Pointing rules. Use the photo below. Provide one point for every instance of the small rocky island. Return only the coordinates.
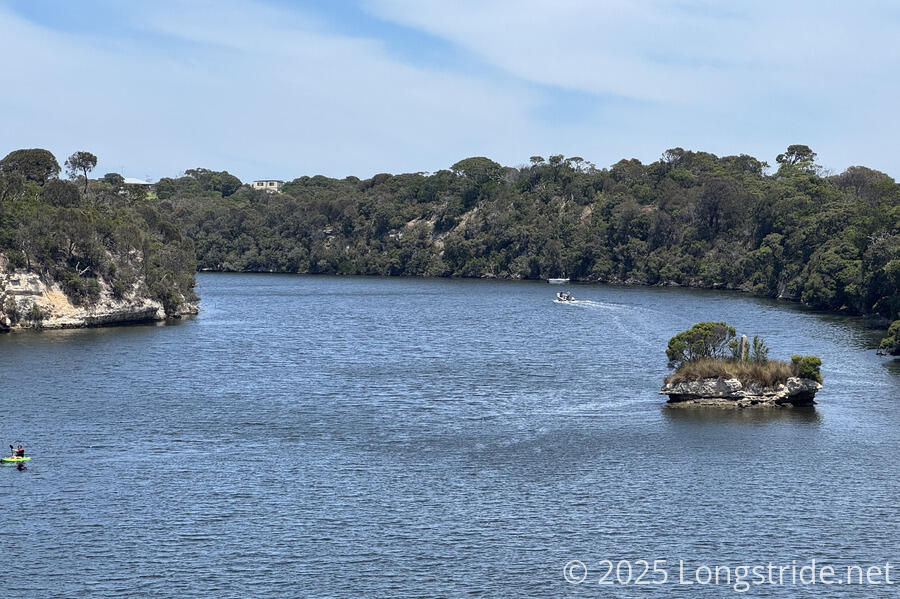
(715, 369)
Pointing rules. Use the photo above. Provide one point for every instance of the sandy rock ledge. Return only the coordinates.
(29, 291)
(731, 393)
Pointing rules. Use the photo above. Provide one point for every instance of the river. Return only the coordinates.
(367, 437)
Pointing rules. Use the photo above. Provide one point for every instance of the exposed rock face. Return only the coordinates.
(37, 303)
(731, 393)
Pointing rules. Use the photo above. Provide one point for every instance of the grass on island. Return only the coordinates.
(769, 373)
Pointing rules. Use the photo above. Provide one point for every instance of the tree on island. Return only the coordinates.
(703, 340)
(807, 367)
(80, 162)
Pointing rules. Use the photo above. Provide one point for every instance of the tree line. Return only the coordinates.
(690, 218)
(831, 241)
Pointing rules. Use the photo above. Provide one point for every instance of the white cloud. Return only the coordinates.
(250, 89)
(661, 50)
(272, 92)
(739, 76)
(602, 48)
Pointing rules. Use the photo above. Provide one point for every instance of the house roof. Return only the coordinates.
(133, 181)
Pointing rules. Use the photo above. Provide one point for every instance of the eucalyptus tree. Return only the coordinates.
(80, 162)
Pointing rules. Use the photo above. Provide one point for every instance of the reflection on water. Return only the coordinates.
(697, 414)
(892, 366)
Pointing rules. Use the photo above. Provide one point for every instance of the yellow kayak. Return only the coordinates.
(12, 460)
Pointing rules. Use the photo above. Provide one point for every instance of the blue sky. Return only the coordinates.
(282, 88)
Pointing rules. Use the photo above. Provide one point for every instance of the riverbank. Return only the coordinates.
(32, 302)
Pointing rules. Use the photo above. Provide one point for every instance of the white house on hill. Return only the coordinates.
(133, 181)
(269, 185)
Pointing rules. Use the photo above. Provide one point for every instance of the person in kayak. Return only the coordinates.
(19, 452)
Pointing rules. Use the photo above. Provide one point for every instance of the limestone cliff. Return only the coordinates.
(731, 393)
(28, 300)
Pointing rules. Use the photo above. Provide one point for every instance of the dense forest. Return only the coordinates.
(831, 241)
(690, 218)
(88, 235)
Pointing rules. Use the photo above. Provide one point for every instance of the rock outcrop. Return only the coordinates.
(731, 393)
(28, 301)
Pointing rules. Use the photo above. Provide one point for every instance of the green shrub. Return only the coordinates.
(167, 296)
(891, 343)
(11, 308)
(16, 260)
(80, 290)
(35, 314)
(61, 193)
(92, 287)
(119, 288)
(807, 367)
(703, 340)
(759, 351)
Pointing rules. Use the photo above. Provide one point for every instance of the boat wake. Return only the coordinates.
(622, 316)
(582, 303)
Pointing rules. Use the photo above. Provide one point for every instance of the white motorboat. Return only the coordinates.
(557, 281)
(565, 296)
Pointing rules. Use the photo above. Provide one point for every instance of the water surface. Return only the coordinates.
(356, 437)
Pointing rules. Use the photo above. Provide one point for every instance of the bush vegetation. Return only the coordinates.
(86, 240)
(759, 351)
(690, 219)
(807, 367)
(699, 353)
(891, 343)
(35, 315)
(770, 373)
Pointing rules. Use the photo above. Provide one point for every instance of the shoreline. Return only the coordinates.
(40, 303)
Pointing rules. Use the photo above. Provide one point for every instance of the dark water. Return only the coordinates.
(337, 437)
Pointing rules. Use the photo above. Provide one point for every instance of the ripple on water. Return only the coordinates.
(309, 436)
